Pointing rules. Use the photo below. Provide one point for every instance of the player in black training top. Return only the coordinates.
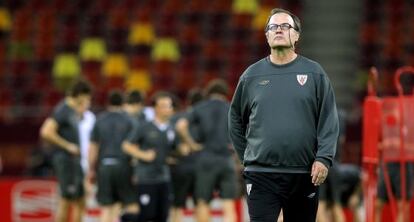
(157, 138)
(215, 167)
(61, 129)
(112, 166)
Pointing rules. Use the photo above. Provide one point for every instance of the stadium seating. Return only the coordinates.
(139, 80)
(115, 64)
(5, 20)
(141, 34)
(147, 45)
(92, 49)
(66, 67)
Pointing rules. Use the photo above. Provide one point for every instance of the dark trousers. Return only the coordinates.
(268, 193)
(154, 201)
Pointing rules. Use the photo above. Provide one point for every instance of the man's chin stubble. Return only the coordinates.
(280, 47)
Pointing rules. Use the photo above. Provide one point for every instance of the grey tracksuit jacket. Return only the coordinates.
(283, 117)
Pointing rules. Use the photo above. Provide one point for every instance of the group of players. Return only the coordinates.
(148, 163)
(143, 163)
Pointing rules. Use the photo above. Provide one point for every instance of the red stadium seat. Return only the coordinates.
(213, 48)
(32, 98)
(369, 32)
(140, 62)
(44, 50)
(60, 5)
(197, 5)
(91, 70)
(219, 6)
(235, 70)
(243, 20)
(46, 21)
(163, 73)
(186, 75)
(209, 39)
(142, 14)
(19, 67)
(117, 41)
(114, 82)
(167, 25)
(52, 97)
(118, 18)
(100, 96)
(36, 5)
(21, 29)
(189, 38)
(70, 37)
(102, 6)
(128, 4)
(172, 6)
(271, 3)
(41, 80)
(208, 75)
(2, 54)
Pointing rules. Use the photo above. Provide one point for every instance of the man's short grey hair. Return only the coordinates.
(296, 21)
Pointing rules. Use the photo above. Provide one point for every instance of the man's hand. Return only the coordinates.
(195, 147)
(184, 149)
(319, 173)
(73, 149)
(148, 155)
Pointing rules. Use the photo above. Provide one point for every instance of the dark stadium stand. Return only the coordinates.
(215, 39)
(158, 44)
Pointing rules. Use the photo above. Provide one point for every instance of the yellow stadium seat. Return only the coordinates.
(140, 80)
(141, 34)
(260, 19)
(66, 68)
(245, 6)
(66, 65)
(165, 49)
(92, 49)
(115, 65)
(5, 20)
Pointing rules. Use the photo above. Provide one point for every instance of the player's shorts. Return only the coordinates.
(183, 181)
(343, 180)
(69, 173)
(268, 193)
(395, 181)
(329, 190)
(350, 177)
(154, 201)
(115, 184)
(215, 172)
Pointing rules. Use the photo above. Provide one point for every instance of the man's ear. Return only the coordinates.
(298, 37)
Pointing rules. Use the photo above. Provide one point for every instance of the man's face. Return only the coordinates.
(164, 107)
(83, 103)
(279, 37)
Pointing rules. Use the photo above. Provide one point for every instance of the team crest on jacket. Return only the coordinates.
(302, 79)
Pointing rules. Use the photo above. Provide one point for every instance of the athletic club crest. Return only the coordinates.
(248, 188)
(302, 79)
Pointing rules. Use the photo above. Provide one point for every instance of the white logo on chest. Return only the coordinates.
(248, 188)
(302, 79)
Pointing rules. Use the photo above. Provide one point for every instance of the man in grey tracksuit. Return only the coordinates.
(283, 124)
